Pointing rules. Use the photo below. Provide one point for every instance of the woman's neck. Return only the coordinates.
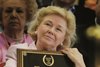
(43, 46)
(17, 36)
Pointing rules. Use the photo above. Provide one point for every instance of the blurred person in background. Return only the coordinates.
(14, 16)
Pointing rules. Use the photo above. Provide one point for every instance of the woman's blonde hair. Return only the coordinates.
(67, 15)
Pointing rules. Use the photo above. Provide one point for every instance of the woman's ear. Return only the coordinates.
(35, 32)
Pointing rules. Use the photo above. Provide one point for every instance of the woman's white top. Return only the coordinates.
(12, 53)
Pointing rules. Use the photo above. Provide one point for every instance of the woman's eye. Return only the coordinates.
(59, 29)
(48, 24)
(19, 10)
(9, 10)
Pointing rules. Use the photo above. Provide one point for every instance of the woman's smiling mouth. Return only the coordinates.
(50, 37)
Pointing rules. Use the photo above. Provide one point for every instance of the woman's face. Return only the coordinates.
(14, 15)
(51, 32)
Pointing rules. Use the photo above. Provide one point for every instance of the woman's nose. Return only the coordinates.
(14, 13)
(51, 31)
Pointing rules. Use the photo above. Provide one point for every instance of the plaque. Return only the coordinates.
(35, 58)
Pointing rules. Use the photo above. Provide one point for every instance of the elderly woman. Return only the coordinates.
(14, 16)
(53, 29)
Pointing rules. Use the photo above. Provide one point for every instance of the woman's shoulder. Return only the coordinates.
(22, 46)
(28, 39)
(12, 51)
(19, 46)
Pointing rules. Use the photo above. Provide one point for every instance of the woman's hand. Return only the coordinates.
(75, 56)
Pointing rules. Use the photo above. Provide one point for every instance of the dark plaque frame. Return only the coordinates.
(35, 58)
